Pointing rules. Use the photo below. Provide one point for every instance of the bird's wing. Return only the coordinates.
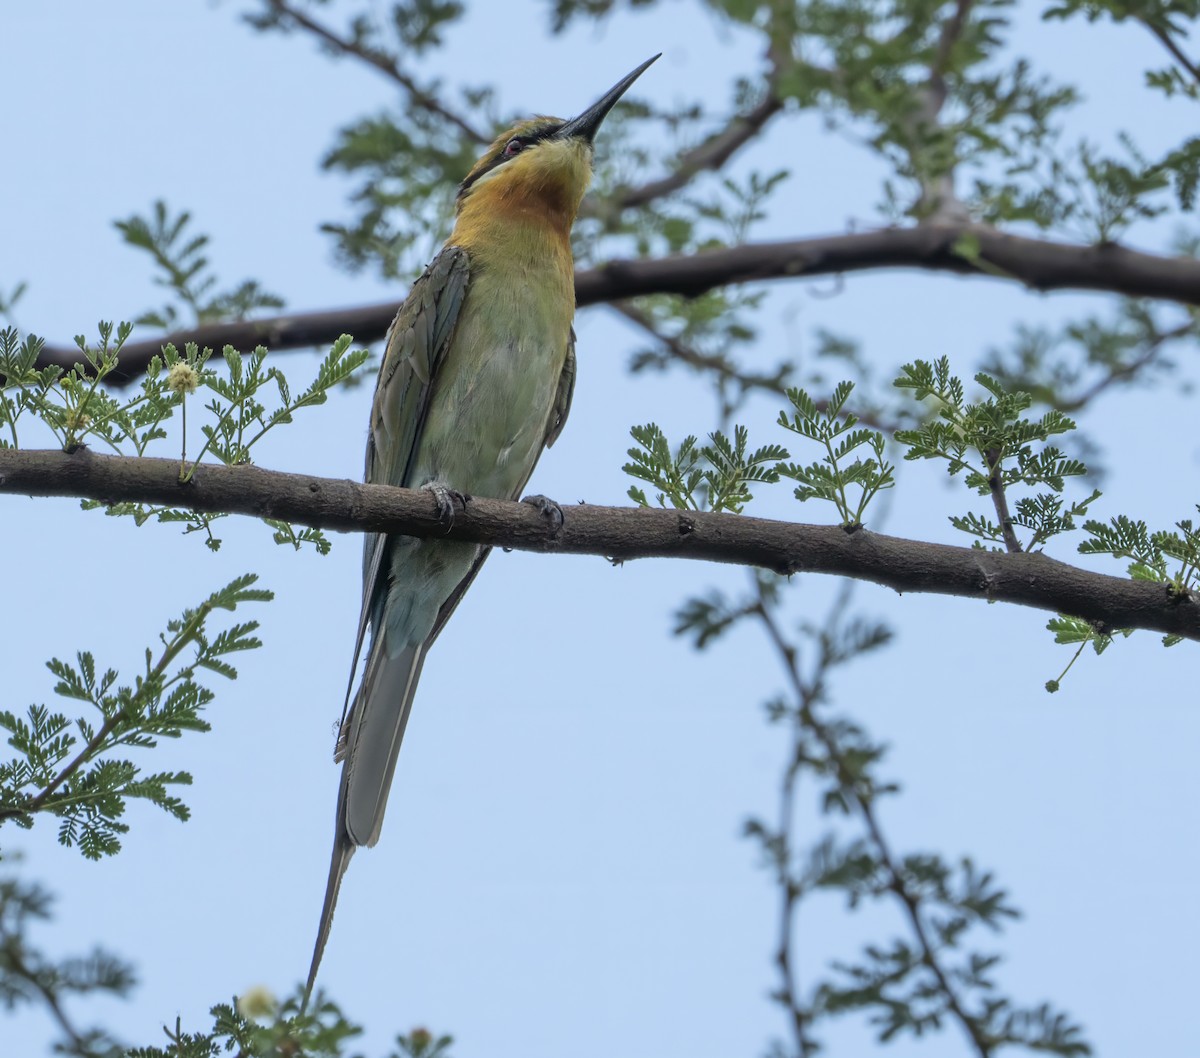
(562, 397)
(416, 343)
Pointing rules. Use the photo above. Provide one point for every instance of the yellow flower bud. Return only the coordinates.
(258, 1002)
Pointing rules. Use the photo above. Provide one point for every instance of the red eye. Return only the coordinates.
(513, 146)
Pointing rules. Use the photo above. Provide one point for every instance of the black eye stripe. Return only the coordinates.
(542, 134)
(526, 139)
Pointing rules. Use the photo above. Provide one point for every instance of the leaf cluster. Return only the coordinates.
(240, 415)
(718, 476)
(321, 1030)
(184, 269)
(28, 977)
(1068, 367)
(73, 770)
(995, 447)
(713, 477)
(245, 402)
(1161, 556)
(932, 971)
(834, 478)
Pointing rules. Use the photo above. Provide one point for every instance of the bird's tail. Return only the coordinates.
(370, 746)
(377, 724)
(342, 851)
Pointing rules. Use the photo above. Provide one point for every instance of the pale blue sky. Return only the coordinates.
(561, 870)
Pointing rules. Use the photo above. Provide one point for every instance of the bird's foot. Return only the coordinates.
(446, 497)
(549, 510)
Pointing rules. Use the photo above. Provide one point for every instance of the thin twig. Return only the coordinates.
(850, 784)
(381, 61)
(1177, 53)
(789, 892)
(691, 356)
(709, 156)
(993, 457)
(18, 966)
(1126, 372)
(84, 755)
(951, 34)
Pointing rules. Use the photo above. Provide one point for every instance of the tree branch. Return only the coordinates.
(850, 780)
(381, 61)
(710, 155)
(616, 533)
(37, 981)
(1128, 372)
(686, 354)
(993, 458)
(1039, 264)
(1177, 53)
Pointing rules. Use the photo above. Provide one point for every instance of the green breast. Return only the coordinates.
(495, 391)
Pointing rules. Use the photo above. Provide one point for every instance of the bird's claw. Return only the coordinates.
(549, 510)
(446, 497)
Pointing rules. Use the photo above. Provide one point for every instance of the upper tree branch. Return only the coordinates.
(940, 200)
(686, 354)
(1039, 264)
(1177, 53)
(380, 60)
(616, 533)
(710, 155)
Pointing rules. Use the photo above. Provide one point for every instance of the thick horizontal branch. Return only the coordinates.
(617, 533)
(1037, 263)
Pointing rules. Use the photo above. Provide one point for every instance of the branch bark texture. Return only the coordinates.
(962, 249)
(617, 533)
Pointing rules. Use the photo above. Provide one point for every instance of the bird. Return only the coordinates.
(476, 380)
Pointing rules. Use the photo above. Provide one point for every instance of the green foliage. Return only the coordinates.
(184, 270)
(71, 403)
(1070, 366)
(405, 192)
(706, 334)
(1074, 631)
(248, 400)
(421, 1043)
(241, 418)
(564, 12)
(256, 1026)
(932, 970)
(28, 977)
(1164, 557)
(715, 477)
(832, 478)
(408, 161)
(287, 1031)
(68, 769)
(8, 301)
(992, 445)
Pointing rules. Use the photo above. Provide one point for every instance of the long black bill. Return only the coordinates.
(589, 121)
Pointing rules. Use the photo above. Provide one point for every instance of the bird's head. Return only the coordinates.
(543, 162)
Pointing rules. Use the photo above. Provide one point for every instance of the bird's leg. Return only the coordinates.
(446, 497)
(549, 510)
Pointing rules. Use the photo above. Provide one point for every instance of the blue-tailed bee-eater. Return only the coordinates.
(476, 380)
